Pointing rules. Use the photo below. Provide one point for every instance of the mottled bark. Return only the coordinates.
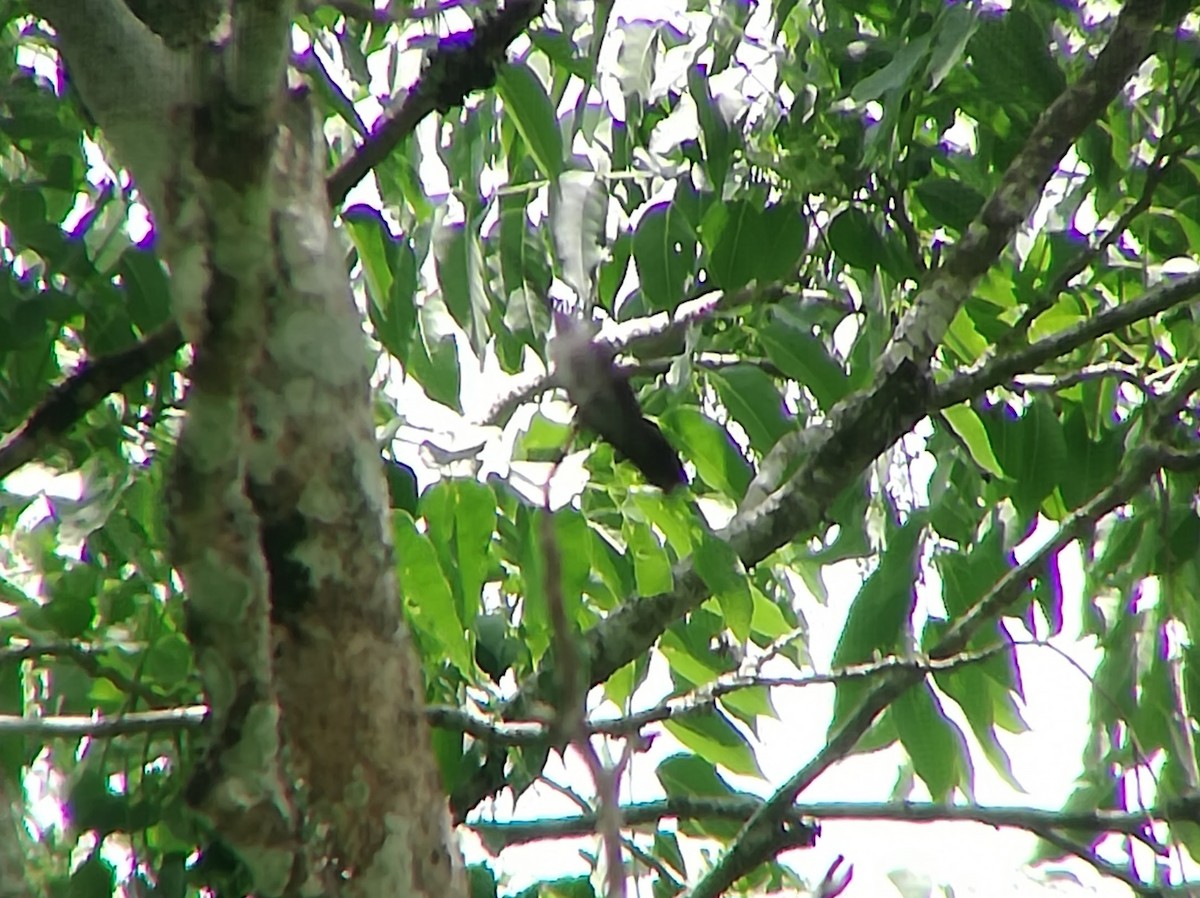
(318, 769)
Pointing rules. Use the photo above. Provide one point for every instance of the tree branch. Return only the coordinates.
(500, 835)
(108, 49)
(167, 720)
(1086, 854)
(462, 63)
(82, 391)
(1000, 370)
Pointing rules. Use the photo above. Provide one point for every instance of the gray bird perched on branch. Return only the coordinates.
(605, 403)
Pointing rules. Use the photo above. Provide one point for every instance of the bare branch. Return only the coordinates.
(1104, 867)
(167, 720)
(705, 698)
(500, 835)
(999, 371)
(461, 64)
(82, 391)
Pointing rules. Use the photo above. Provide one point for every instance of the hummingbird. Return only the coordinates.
(605, 403)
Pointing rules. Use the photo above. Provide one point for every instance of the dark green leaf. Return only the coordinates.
(745, 242)
(146, 287)
(529, 107)
(718, 137)
(722, 571)
(460, 269)
(878, 615)
(433, 361)
(402, 486)
(854, 238)
(802, 356)
(754, 402)
(934, 743)
(390, 271)
(94, 878)
(426, 595)
(664, 249)
(949, 202)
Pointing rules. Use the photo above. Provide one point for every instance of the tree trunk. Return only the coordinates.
(318, 769)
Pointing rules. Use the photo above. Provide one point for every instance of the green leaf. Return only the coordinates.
(722, 572)
(802, 356)
(14, 750)
(745, 242)
(664, 250)
(544, 439)
(665, 513)
(964, 340)
(934, 743)
(668, 850)
(690, 663)
(754, 402)
(687, 776)
(93, 806)
(950, 202)
(72, 605)
(146, 288)
(896, 75)
(426, 595)
(612, 270)
(717, 741)
(1030, 449)
(460, 270)
(1015, 42)
(718, 136)
(169, 662)
(854, 239)
(708, 446)
(461, 514)
(433, 360)
(955, 26)
(968, 425)
(767, 620)
(402, 486)
(651, 566)
(574, 544)
(979, 697)
(94, 878)
(528, 105)
(390, 271)
(878, 615)
(578, 207)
